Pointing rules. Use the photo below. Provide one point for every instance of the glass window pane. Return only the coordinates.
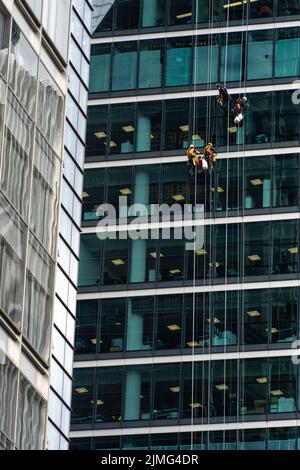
(55, 21)
(122, 129)
(124, 68)
(257, 185)
(176, 124)
(252, 439)
(287, 7)
(153, 13)
(39, 298)
(100, 68)
(135, 442)
(260, 54)
(258, 125)
(282, 398)
(197, 326)
(140, 320)
(93, 193)
(86, 327)
(285, 247)
(169, 322)
(206, 60)
(171, 259)
(83, 396)
(4, 40)
(18, 146)
(223, 322)
(12, 265)
(284, 315)
(23, 70)
(148, 136)
(31, 420)
(254, 386)
(128, 12)
(178, 61)
(222, 440)
(231, 58)
(287, 52)
(44, 209)
(151, 63)
(89, 267)
(50, 110)
(257, 249)
(255, 316)
(180, 12)
(109, 390)
(115, 262)
(97, 131)
(166, 391)
(8, 390)
(286, 118)
(137, 387)
(285, 180)
(282, 439)
(223, 394)
(112, 325)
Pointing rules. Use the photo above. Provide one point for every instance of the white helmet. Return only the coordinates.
(245, 99)
(192, 146)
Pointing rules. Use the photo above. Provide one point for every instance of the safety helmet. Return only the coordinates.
(192, 146)
(210, 144)
(245, 99)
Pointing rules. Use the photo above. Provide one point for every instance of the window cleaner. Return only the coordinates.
(240, 109)
(210, 155)
(195, 159)
(224, 96)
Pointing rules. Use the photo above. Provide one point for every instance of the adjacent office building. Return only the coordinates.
(182, 348)
(39, 188)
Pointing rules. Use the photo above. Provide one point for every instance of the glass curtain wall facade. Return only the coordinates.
(33, 87)
(37, 330)
(59, 410)
(175, 343)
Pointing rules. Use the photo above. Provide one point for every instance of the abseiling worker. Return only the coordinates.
(224, 96)
(240, 109)
(210, 154)
(195, 159)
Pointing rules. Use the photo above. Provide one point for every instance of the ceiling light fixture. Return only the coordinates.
(221, 387)
(175, 271)
(125, 192)
(128, 128)
(184, 15)
(173, 327)
(253, 313)
(256, 182)
(201, 252)
(178, 197)
(254, 258)
(262, 380)
(81, 390)
(100, 135)
(118, 262)
(192, 344)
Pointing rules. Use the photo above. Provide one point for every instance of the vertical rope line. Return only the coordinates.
(226, 228)
(242, 257)
(195, 74)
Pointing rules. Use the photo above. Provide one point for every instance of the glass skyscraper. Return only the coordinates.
(36, 320)
(181, 348)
